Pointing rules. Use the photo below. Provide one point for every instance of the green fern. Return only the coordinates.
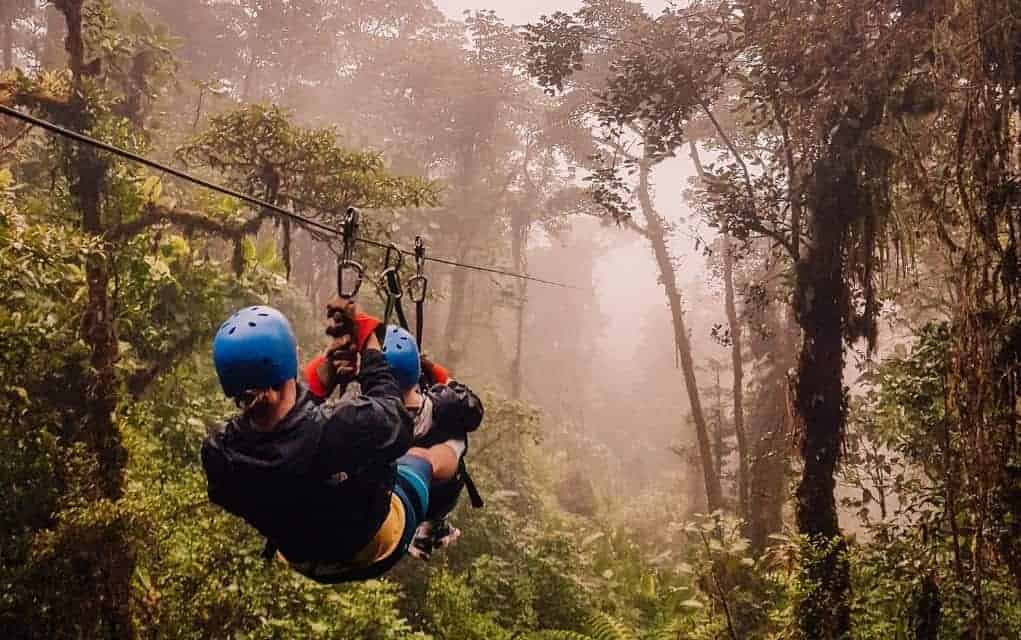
(558, 635)
(601, 627)
(605, 627)
(665, 631)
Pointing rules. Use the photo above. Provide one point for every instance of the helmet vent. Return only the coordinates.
(232, 330)
(264, 315)
(251, 324)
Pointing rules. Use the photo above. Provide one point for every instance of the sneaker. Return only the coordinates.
(445, 535)
(432, 535)
(422, 544)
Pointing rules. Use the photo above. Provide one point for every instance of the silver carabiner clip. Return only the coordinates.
(418, 286)
(350, 272)
(390, 277)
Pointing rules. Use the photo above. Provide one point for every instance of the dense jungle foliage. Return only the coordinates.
(840, 382)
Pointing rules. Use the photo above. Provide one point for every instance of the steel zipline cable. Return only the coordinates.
(259, 202)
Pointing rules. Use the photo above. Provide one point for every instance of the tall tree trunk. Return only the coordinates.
(719, 438)
(520, 221)
(927, 610)
(53, 50)
(113, 562)
(249, 77)
(8, 42)
(467, 214)
(454, 331)
(768, 467)
(656, 233)
(736, 338)
(519, 340)
(821, 304)
(771, 452)
(286, 247)
(737, 365)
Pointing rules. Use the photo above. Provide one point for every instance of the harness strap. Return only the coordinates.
(388, 310)
(419, 317)
(418, 287)
(403, 319)
(469, 485)
(394, 293)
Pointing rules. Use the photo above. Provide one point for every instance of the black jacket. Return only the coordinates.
(318, 486)
(457, 411)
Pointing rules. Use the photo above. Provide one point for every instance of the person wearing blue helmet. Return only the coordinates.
(445, 411)
(338, 490)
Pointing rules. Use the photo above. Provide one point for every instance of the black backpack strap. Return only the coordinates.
(469, 484)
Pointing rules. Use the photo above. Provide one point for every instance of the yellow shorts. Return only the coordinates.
(385, 542)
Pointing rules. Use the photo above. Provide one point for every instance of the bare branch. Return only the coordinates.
(156, 214)
(734, 152)
(17, 138)
(696, 158)
(754, 223)
(922, 178)
(793, 188)
(629, 223)
(618, 147)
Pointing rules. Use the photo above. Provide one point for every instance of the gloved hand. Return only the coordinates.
(337, 366)
(347, 319)
(434, 373)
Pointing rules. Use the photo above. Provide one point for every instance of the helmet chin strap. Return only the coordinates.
(248, 399)
(264, 410)
(257, 407)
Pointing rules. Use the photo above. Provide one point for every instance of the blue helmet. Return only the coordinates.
(401, 352)
(255, 349)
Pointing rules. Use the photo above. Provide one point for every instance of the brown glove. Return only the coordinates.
(338, 366)
(347, 319)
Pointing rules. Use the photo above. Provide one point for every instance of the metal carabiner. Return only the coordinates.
(356, 274)
(345, 262)
(390, 277)
(352, 218)
(418, 285)
(392, 250)
(391, 283)
(419, 255)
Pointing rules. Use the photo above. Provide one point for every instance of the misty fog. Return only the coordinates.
(718, 335)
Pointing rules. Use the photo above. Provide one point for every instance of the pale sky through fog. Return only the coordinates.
(627, 277)
(522, 11)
